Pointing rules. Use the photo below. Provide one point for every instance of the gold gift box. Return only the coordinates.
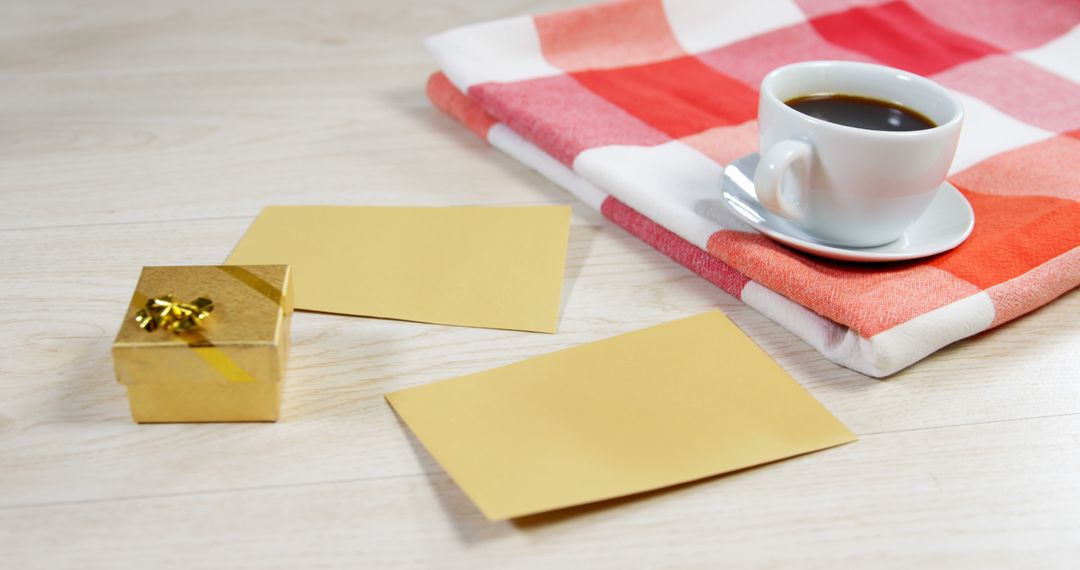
(229, 368)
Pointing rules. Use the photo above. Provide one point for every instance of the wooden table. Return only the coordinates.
(141, 133)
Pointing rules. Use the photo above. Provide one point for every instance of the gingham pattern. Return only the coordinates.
(636, 106)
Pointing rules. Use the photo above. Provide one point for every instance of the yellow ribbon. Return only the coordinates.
(164, 312)
(184, 319)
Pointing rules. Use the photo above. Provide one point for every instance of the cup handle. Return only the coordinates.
(769, 176)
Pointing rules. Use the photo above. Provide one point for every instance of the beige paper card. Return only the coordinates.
(496, 267)
(640, 411)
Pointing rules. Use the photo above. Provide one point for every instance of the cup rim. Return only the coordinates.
(771, 77)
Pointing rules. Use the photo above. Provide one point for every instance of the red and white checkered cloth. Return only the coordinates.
(636, 106)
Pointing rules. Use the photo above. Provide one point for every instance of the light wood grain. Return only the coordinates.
(137, 133)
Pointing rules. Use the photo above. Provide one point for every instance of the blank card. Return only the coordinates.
(497, 267)
(660, 406)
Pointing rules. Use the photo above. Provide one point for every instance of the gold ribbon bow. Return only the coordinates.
(172, 316)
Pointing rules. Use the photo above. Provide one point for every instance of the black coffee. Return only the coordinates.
(861, 112)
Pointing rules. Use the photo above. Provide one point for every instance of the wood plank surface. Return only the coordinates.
(141, 133)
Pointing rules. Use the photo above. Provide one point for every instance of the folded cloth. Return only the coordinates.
(636, 106)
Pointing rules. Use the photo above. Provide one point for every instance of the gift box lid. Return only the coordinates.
(249, 303)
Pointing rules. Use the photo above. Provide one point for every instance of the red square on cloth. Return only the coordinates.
(725, 144)
(1013, 235)
(679, 97)
(897, 35)
(606, 35)
(563, 118)
(457, 105)
(1019, 89)
(1009, 24)
(1045, 168)
(815, 8)
(875, 297)
(751, 59)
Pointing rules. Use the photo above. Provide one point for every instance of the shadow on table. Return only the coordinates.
(469, 523)
(473, 527)
(577, 252)
(544, 520)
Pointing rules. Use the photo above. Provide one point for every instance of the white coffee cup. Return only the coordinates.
(844, 185)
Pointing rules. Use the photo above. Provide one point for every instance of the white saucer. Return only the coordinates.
(947, 222)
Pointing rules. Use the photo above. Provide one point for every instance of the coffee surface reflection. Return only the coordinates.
(861, 112)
